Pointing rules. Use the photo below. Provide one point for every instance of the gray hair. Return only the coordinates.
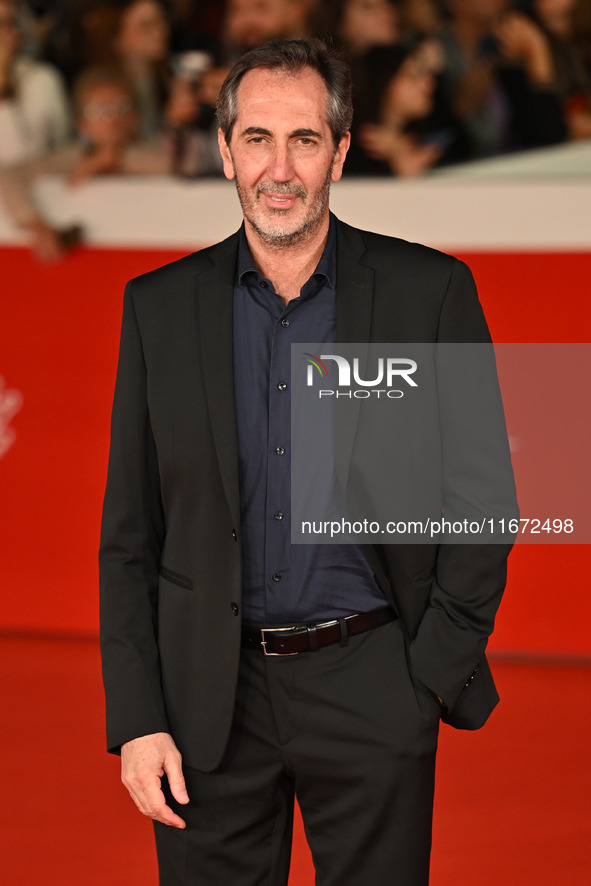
(292, 56)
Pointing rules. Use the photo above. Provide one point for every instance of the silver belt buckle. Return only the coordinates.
(264, 642)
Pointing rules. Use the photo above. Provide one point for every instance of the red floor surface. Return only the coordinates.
(512, 803)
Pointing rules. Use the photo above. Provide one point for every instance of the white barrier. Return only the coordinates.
(449, 213)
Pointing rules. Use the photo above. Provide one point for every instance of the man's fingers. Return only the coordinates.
(165, 815)
(144, 761)
(176, 781)
(150, 800)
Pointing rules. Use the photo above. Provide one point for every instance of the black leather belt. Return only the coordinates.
(292, 639)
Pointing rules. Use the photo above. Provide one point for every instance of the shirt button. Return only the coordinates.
(235, 608)
(278, 515)
(280, 450)
(276, 576)
(263, 284)
(234, 536)
(282, 386)
(285, 322)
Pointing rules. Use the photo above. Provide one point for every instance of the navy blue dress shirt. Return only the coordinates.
(284, 583)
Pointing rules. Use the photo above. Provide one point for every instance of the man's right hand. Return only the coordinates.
(144, 761)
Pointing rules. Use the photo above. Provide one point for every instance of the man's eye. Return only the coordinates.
(256, 140)
(306, 141)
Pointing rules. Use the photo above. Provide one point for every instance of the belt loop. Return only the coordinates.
(313, 637)
(344, 632)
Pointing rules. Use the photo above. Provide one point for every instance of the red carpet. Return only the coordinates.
(512, 803)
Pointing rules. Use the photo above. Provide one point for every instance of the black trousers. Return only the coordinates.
(345, 730)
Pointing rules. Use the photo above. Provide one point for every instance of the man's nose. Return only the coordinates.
(281, 164)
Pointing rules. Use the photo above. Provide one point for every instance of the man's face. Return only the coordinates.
(282, 155)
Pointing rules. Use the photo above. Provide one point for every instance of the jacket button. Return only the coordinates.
(234, 536)
(235, 608)
(471, 677)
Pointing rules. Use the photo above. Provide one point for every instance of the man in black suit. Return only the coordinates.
(241, 669)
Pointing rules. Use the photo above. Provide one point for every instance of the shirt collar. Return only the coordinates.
(326, 267)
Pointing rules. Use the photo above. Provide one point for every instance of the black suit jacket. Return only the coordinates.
(170, 559)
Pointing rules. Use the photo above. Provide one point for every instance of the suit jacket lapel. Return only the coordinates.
(354, 287)
(354, 313)
(215, 299)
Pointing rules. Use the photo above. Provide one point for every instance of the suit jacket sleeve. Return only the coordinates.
(469, 578)
(131, 542)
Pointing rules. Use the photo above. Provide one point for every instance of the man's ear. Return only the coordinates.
(339, 157)
(226, 155)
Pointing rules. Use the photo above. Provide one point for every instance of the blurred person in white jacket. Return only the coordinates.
(34, 108)
(107, 124)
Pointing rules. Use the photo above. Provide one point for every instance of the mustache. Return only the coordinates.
(281, 189)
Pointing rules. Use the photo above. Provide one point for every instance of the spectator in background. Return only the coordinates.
(250, 23)
(395, 127)
(34, 111)
(131, 34)
(194, 24)
(141, 46)
(190, 114)
(421, 16)
(358, 25)
(37, 19)
(567, 24)
(500, 78)
(107, 120)
(80, 34)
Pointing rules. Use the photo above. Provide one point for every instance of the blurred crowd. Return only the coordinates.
(89, 87)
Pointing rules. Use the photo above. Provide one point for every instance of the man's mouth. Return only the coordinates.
(281, 195)
(280, 201)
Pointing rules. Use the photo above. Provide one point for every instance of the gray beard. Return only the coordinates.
(277, 238)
